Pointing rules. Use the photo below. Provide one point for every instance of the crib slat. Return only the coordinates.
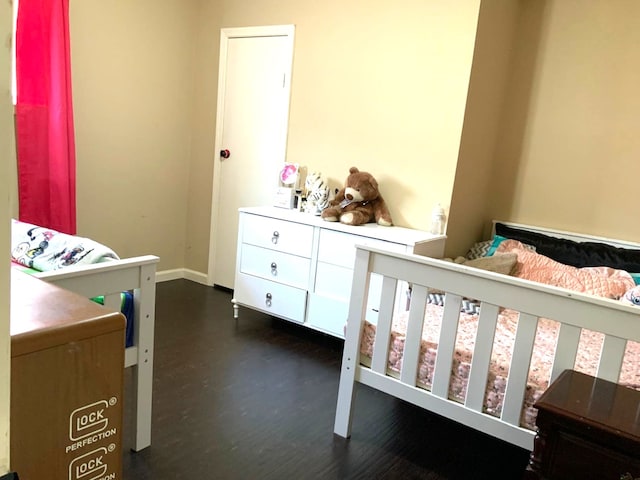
(481, 356)
(409, 370)
(519, 368)
(566, 350)
(446, 345)
(611, 358)
(383, 328)
(350, 354)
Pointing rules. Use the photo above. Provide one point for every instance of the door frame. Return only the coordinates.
(226, 34)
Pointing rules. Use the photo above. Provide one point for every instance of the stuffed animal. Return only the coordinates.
(317, 193)
(359, 202)
(632, 296)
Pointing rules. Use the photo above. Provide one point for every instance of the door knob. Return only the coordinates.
(225, 153)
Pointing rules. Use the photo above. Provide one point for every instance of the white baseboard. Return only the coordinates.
(168, 275)
(179, 273)
(197, 277)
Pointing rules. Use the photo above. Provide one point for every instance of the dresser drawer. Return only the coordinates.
(338, 248)
(280, 235)
(274, 265)
(331, 314)
(328, 314)
(334, 283)
(273, 298)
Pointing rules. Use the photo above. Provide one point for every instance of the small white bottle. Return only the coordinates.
(438, 220)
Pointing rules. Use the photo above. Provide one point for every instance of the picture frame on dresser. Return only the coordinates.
(298, 267)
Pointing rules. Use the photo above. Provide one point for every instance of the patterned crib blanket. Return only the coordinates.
(541, 361)
(44, 249)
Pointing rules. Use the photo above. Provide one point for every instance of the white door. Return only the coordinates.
(252, 122)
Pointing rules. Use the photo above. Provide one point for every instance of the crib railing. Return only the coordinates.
(574, 311)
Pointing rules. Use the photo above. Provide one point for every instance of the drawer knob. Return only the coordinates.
(274, 269)
(275, 237)
(267, 300)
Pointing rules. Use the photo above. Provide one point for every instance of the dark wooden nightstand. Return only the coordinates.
(587, 428)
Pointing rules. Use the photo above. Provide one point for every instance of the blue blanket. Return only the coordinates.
(126, 307)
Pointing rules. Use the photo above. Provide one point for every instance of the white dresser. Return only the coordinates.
(298, 267)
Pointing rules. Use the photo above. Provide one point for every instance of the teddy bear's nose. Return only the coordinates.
(349, 196)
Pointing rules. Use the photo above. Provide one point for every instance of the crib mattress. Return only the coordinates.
(541, 362)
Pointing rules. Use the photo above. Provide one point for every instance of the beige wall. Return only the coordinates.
(382, 86)
(203, 100)
(571, 124)
(6, 159)
(133, 70)
(498, 26)
(376, 85)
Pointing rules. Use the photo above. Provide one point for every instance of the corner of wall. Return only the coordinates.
(473, 184)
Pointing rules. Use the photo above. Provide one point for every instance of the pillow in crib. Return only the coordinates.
(503, 263)
(479, 249)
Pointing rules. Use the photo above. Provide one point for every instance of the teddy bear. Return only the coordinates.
(358, 202)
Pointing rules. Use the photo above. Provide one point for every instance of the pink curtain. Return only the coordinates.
(44, 116)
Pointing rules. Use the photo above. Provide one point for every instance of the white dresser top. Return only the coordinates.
(402, 235)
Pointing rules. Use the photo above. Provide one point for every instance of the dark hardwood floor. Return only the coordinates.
(256, 400)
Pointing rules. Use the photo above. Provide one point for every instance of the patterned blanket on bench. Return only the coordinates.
(44, 249)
